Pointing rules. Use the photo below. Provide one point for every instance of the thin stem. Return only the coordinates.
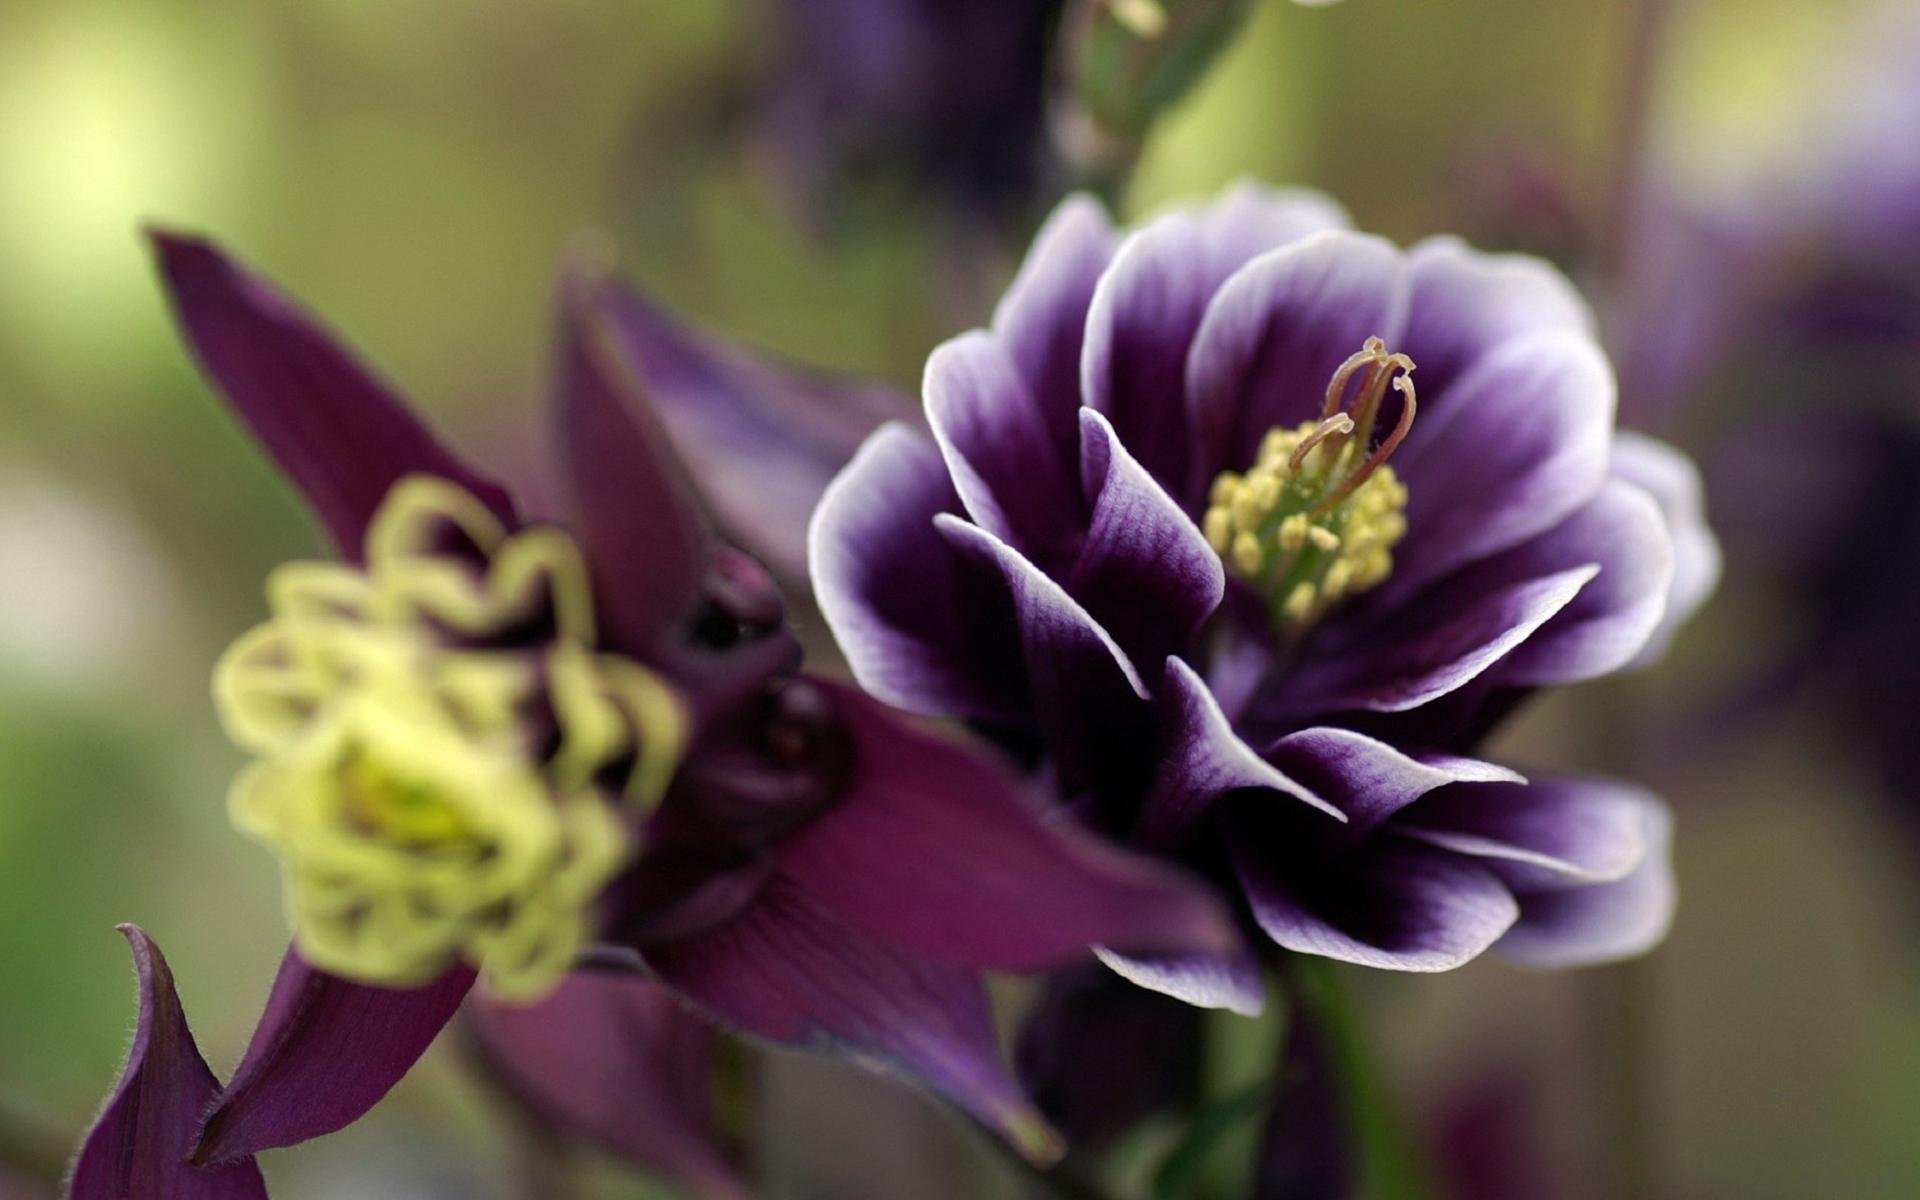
(1627, 186)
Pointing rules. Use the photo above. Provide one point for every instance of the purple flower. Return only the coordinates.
(487, 744)
(1184, 533)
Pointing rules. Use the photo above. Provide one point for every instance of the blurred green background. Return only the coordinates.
(416, 170)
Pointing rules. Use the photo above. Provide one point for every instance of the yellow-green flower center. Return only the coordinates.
(445, 767)
(1316, 517)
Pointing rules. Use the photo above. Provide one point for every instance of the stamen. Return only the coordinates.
(1404, 385)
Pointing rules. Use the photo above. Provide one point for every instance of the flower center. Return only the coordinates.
(1316, 517)
(444, 766)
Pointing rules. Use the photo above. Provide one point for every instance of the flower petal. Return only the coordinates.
(1042, 318)
(615, 1059)
(634, 510)
(1674, 483)
(1544, 836)
(1145, 570)
(1392, 904)
(933, 850)
(1012, 478)
(138, 1146)
(922, 627)
(1608, 921)
(763, 436)
(1467, 303)
(326, 1050)
(1365, 779)
(788, 971)
(339, 434)
(1274, 334)
(1230, 981)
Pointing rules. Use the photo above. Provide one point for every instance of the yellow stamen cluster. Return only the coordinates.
(1316, 517)
(433, 796)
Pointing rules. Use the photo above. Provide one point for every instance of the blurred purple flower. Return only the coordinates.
(1293, 719)
(820, 872)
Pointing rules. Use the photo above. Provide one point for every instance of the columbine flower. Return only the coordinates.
(1254, 526)
(483, 743)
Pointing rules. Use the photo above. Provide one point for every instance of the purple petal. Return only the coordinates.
(1508, 451)
(1439, 643)
(1203, 760)
(138, 1146)
(634, 510)
(1466, 303)
(998, 449)
(1608, 921)
(788, 971)
(1609, 622)
(933, 850)
(1674, 483)
(922, 627)
(1042, 318)
(615, 1059)
(1149, 303)
(1230, 981)
(1367, 780)
(1274, 334)
(325, 1051)
(1145, 570)
(1544, 836)
(339, 434)
(763, 436)
(1394, 904)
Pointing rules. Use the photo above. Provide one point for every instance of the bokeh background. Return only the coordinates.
(416, 171)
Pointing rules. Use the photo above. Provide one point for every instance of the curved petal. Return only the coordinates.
(1366, 780)
(1204, 759)
(325, 1051)
(921, 626)
(1511, 449)
(1010, 475)
(138, 1145)
(634, 510)
(1274, 334)
(1674, 483)
(1393, 904)
(339, 434)
(1145, 570)
(1149, 302)
(763, 436)
(788, 971)
(933, 850)
(1042, 318)
(1230, 981)
(1608, 921)
(1467, 303)
(1607, 625)
(617, 1060)
(1545, 836)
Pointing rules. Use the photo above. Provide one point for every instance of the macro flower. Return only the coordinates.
(1248, 528)
(490, 747)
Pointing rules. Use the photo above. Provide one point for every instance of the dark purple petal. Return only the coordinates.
(763, 436)
(1673, 481)
(998, 449)
(1607, 921)
(616, 1060)
(1203, 760)
(1274, 334)
(1042, 318)
(1149, 304)
(1365, 779)
(921, 627)
(788, 971)
(339, 433)
(1466, 303)
(1509, 450)
(1229, 981)
(326, 1050)
(1308, 1150)
(932, 849)
(138, 1146)
(1608, 624)
(634, 510)
(1393, 904)
(1438, 643)
(1544, 836)
(1145, 570)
